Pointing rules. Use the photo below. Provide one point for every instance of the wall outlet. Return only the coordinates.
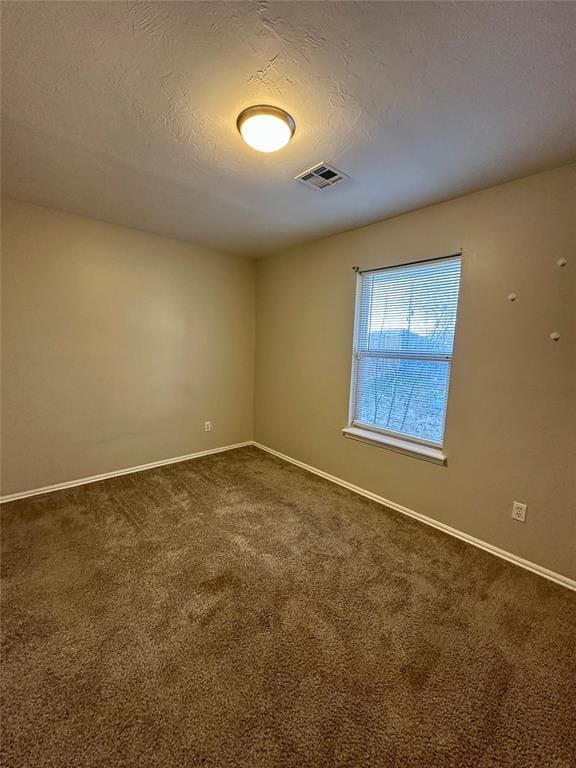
(519, 511)
(207, 426)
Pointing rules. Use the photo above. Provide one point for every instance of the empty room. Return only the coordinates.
(288, 426)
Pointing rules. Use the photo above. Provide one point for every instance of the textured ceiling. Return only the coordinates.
(125, 111)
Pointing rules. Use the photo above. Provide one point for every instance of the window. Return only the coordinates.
(403, 339)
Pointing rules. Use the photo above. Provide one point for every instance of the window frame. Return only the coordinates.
(369, 433)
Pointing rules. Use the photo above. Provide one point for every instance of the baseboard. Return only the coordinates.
(519, 561)
(118, 472)
(526, 564)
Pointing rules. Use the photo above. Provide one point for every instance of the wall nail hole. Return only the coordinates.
(562, 262)
(555, 336)
(511, 297)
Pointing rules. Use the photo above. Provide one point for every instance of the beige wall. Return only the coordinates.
(117, 346)
(511, 421)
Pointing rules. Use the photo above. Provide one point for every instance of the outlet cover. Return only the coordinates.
(519, 511)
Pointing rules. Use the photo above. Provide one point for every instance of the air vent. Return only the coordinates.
(321, 176)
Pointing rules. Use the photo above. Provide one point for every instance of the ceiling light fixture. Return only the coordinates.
(266, 128)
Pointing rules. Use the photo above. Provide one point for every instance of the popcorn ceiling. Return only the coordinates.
(126, 111)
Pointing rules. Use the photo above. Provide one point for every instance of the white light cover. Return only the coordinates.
(266, 132)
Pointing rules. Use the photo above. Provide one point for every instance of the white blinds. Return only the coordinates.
(404, 339)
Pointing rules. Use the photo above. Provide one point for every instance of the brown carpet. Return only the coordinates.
(237, 611)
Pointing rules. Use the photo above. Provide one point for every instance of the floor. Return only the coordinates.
(237, 611)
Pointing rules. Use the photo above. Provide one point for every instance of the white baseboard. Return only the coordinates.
(527, 564)
(118, 472)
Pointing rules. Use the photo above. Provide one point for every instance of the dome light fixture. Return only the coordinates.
(266, 128)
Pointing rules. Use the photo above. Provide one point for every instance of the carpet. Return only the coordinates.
(237, 611)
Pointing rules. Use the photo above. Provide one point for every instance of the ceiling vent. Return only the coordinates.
(321, 176)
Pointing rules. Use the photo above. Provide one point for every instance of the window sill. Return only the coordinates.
(435, 455)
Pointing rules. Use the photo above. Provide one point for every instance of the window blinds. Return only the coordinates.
(403, 348)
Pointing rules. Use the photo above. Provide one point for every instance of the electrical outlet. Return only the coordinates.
(519, 511)
(207, 426)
